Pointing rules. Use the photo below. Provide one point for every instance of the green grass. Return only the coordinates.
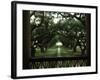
(52, 52)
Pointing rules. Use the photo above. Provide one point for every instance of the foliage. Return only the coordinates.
(50, 27)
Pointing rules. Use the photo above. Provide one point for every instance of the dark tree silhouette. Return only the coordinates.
(26, 40)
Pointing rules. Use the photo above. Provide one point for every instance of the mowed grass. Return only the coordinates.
(53, 52)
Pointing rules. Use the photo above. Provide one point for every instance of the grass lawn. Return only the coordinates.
(52, 52)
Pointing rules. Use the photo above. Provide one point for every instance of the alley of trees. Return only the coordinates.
(43, 29)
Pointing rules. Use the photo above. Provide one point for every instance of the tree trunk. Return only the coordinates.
(83, 51)
(88, 37)
(74, 48)
(26, 40)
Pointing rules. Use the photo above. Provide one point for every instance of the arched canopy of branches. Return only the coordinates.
(49, 27)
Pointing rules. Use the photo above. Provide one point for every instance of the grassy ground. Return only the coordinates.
(52, 52)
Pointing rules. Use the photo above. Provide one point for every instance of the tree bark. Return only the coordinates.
(26, 40)
(88, 38)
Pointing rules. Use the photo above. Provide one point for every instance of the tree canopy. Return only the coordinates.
(49, 27)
